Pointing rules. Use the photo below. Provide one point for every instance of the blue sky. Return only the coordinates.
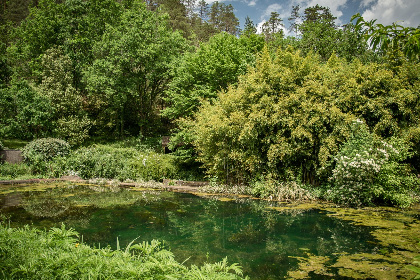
(406, 12)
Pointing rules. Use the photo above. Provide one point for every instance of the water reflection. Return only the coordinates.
(196, 229)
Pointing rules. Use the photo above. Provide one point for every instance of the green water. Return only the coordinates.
(266, 242)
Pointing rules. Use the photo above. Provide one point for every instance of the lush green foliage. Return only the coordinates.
(11, 171)
(213, 67)
(39, 153)
(131, 68)
(391, 39)
(370, 171)
(110, 69)
(1, 146)
(28, 253)
(45, 149)
(102, 161)
(25, 113)
(288, 118)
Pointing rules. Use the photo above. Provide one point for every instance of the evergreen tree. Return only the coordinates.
(223, 18)
(273, 27)
(203, 10)
(318, 13)
(293, 19)
(249, 27)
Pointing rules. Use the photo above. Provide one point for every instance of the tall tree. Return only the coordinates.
(319, 13)
(294, 19)
(190, 6)
(223, 18)
(319, 33)
(249, 27)
(273, 27)
(203, 9)
(131, 69)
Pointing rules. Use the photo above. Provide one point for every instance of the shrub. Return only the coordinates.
(369, 170)
(28, 253)
(280, 190)
(45, 149)
(101, 161)
(9, 171)
(1, 146)
(39, 153)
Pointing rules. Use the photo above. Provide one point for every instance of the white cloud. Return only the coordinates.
(271, 8)
(366, 3)
(405, 12)
(252, 3)
(259, 27)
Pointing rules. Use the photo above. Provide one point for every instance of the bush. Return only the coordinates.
(101, 161)
(39, 153)
(369, 171)
(282, 191)
(9, 171)
(45, 149)
(289, 116)
(1, 146)
(28, 253)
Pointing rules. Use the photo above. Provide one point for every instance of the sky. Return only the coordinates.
(405, 12)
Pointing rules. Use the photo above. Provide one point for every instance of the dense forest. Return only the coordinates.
(329, 106)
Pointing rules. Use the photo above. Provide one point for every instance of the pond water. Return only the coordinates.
(269, 240)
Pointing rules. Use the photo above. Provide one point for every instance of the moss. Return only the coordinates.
(376, 266)
(310, 264)
(396, 232)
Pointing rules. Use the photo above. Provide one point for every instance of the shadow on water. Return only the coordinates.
(270, 240)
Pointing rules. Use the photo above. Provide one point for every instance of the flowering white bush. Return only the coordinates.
(368, 171)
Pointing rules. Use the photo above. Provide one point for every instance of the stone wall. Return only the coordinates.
(11, 156)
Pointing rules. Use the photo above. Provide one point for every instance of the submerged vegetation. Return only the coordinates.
(268, 239)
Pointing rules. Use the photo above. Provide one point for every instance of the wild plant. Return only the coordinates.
(29, 253)
(369, 170)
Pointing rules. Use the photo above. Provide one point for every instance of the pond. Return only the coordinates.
(269, 240)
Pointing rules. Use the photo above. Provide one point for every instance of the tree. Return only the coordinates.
(351, 45)
(203, 9)
(391, 38)
(131, 69)
(288, 118)
(318, 13)
(223, 18)
(72, 122)
(319, 33)
(179, 15)
(25, 113)
(294, 19)
(273, 27)
(213, 67)
(249, 27)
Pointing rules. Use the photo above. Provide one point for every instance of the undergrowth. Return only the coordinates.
(29, 253)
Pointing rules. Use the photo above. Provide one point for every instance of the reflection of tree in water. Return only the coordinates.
(203, 229)
(45, 208)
